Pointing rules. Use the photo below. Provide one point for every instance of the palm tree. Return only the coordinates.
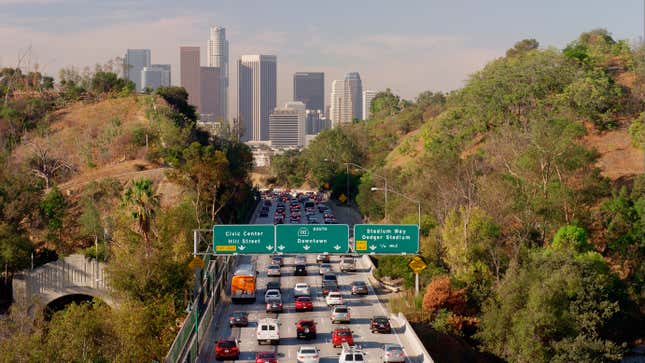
(141, 196)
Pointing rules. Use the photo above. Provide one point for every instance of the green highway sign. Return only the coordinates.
(312, 238)
(243, 239)
(386, 238)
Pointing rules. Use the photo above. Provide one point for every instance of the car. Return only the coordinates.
(306, 329)
(380, 324)
(268, 331)
(359, 288)
(341, 335)
(330, 277)
(340, 314)
(351, 354)
(304, 303)
(393, 353)
(238, 318)
(272, 293)
(300, 259)
(347, 264)
(307, 354)
(264, 213)
(301, 270)
(322, 208)
(266, 357)
(267, 202)
(274, 305)
(334, 298)
(273, 285)
(227, 348)
(276, 260)
(323, 258)
(301, 289)
(325, 268)
(273, 270)
(294, 218)
(328, 286)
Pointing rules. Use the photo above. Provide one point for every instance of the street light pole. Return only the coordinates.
(416, 274)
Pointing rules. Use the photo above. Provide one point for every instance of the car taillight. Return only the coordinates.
(315, 356)
(388, 354)
(301, 357)
(268, 306)
(280, 305)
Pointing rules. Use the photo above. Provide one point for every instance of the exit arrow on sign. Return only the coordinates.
(269, 247)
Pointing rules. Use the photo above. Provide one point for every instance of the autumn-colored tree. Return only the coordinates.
(441, 295)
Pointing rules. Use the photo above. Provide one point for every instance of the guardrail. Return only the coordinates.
(420, 350)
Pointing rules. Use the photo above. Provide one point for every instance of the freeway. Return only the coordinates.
(362, 309)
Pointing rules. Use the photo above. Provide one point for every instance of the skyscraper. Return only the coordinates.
(287, 126)
(133, 63)
(309, 88)
(354, 89)
(209, 83)
(336, 100)
(368, 96)
(257, 91)
(218, 57)
(155, 76)
(189, 74)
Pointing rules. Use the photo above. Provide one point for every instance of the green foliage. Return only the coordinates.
(143, 202)
(572, 238)
(595, 97)
(108, 82)
(385, 103)
(326, 154)
(443, 322)
(177, 97)
(553, 308)
(53, 208)
(637, 131)
(15, 248)
(522, 47)
(289, 168)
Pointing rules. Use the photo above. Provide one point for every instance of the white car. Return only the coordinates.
(325, 268)
(308, 354)
(300, 260)
(272, 293)
(334, 298)
(273, 270)
(301, 289)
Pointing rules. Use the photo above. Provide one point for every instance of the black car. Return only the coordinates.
(380, 324)
(264, 212)
(328, 286)
(301, 270)
(273, 285)
(359, 288)
(238, 318)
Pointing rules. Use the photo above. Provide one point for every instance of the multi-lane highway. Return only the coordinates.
(362, 309)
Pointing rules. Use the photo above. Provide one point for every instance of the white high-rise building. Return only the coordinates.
(368, 96)
(287, 126)
(346, 99)
(257, 91)
(218, 57)
(133, 63)
(155, 76)
(336, 99)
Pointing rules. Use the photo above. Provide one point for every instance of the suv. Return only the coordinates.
(347, 264)
(341, 335)
(359, 288)
(330, 277)
(351, 354)
(268, 330)
(340, 314)
(329, 286)
(306, 329)
(380, 324)
(301, 270)
(226, 348)
(274, 305)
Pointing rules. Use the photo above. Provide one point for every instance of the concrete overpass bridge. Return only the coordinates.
(73, 276)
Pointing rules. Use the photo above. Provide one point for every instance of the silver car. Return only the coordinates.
(273, 270)
(325, 268)
(340, 314)
(308, 354)
(393, 353)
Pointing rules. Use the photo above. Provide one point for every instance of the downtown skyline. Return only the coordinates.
(435, 48)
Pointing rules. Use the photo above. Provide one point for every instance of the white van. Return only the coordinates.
(268, 331)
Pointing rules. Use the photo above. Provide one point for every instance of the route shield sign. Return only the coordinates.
(243, 239)
(386, 238)
(312, 238)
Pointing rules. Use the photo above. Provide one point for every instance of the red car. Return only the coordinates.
(226, 348)
(340, 336)
(304, 303)
(266, 357)
(306, 329)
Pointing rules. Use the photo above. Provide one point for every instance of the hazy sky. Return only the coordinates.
(409, 46)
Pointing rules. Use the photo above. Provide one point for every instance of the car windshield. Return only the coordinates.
(302, 286)
(304, 299)
(308, 351)
(359, 283)
(334, 295)
(274, 301)
(266, 355)
(274, 267)
(307, 323)
(380, 320)
(239, 314)
(340, 310)
(393, 348)
(342, 333)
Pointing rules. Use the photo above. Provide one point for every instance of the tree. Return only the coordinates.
(637, 131)
(54, 207)
(441, 295)
(14, 250)
(177, 97)
(571, 237)
(385, 102)
(44, 164)
(143, 201)
(558, 306)
(108, 82)
(522, 47)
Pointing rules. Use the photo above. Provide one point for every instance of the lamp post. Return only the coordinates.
(416, 275)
